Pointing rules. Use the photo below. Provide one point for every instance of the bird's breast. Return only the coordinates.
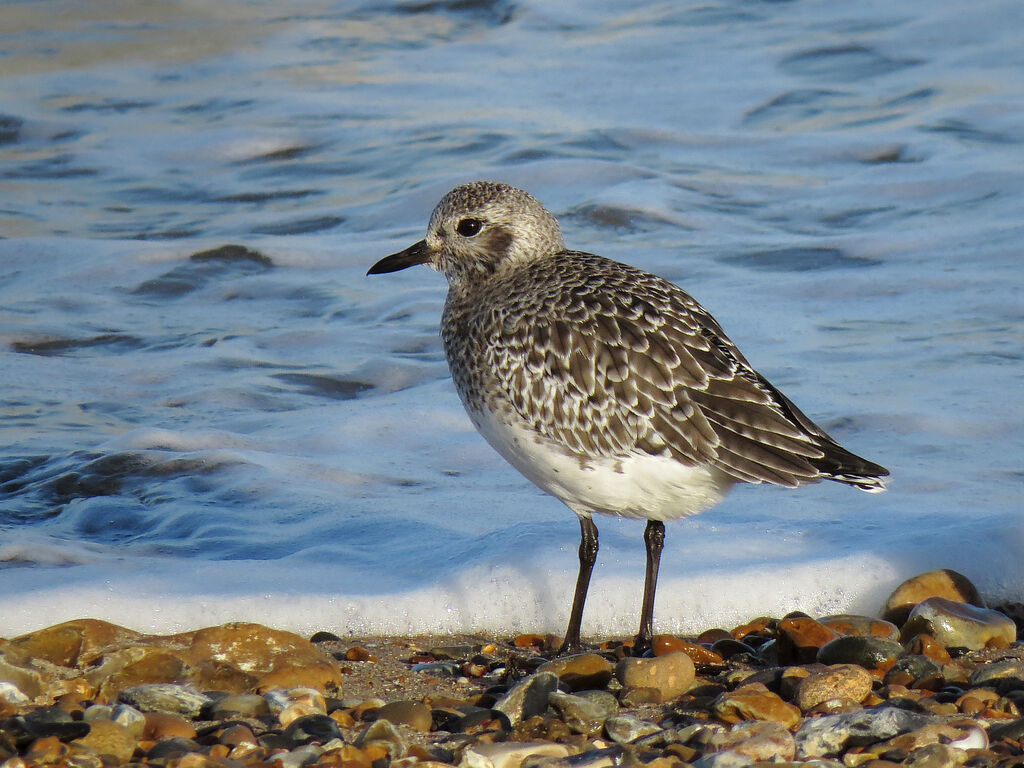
(636, 485)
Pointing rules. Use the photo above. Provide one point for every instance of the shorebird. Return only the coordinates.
(611, 389)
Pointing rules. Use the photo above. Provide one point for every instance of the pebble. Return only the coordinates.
(383, 734)
(1008, 673)
(528, 697)
(161, 725)
(239, 705)
(106, 737)
(924, 644)
(943, 583)
(800, 638)
(298, 757)
(451, 651)
(12, 694)
(318, 728)
(580, 672)
(1008, 729)
(586, 711)
(508, 754)
(846, 681)
(43, 751)
(165, 697)
(852, 624)
(935, 756)
(438, 668)
(915, 671)
(671, 676)
(959, 625)
(277, 658)
(138, 666)
(26, 681)
(130, 718)
(907, 742)
(414, 714)
(755, 702)
(297, 711)
(756, 740)
(867, 651)
(663, 645)
(829, 735)
(72, 642)
(728, 759)
(638, 697)
(624, 729)
(234, 735)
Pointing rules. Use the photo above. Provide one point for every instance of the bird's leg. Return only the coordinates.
(588, 554)
(654, 538)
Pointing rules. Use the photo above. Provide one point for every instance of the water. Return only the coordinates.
(194, 434)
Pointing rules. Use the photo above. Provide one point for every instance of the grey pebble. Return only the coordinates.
(528, 697)
(609, 757)
(299, 756)
(318, 728)
(917, 666)
(831, 734)
(165, 697)
(128, 716)
(992, 674)
(586, 711)
(725, 759)
(623, 729)
(52, 721)
(1007, 729)
(451, 651)
(438, 668)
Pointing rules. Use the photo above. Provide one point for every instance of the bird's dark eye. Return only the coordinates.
(469, 227)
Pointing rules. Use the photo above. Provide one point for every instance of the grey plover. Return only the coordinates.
(608, 387)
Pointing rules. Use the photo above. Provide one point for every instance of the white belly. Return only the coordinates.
(636, 486)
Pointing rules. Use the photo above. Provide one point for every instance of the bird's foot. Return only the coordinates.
(569, 647)
(641, 645)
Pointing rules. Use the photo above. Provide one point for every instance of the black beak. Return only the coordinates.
(417, 253)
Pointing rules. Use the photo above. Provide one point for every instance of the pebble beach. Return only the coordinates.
(936, 679)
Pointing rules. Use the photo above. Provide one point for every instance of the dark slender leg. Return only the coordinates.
(588, 554)
(654, 538)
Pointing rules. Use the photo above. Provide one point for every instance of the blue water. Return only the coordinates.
(194, 434)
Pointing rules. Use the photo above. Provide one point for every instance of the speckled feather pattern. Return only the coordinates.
(607, 360)
(602, 361)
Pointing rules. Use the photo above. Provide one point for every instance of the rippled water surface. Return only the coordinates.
(210, 413)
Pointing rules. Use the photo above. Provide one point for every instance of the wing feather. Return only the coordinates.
(611, 361)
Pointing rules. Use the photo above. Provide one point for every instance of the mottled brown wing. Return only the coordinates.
(624, 362)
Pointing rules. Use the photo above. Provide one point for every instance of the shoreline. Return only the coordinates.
(944, 686)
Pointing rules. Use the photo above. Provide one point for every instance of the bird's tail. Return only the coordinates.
(844, 467)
